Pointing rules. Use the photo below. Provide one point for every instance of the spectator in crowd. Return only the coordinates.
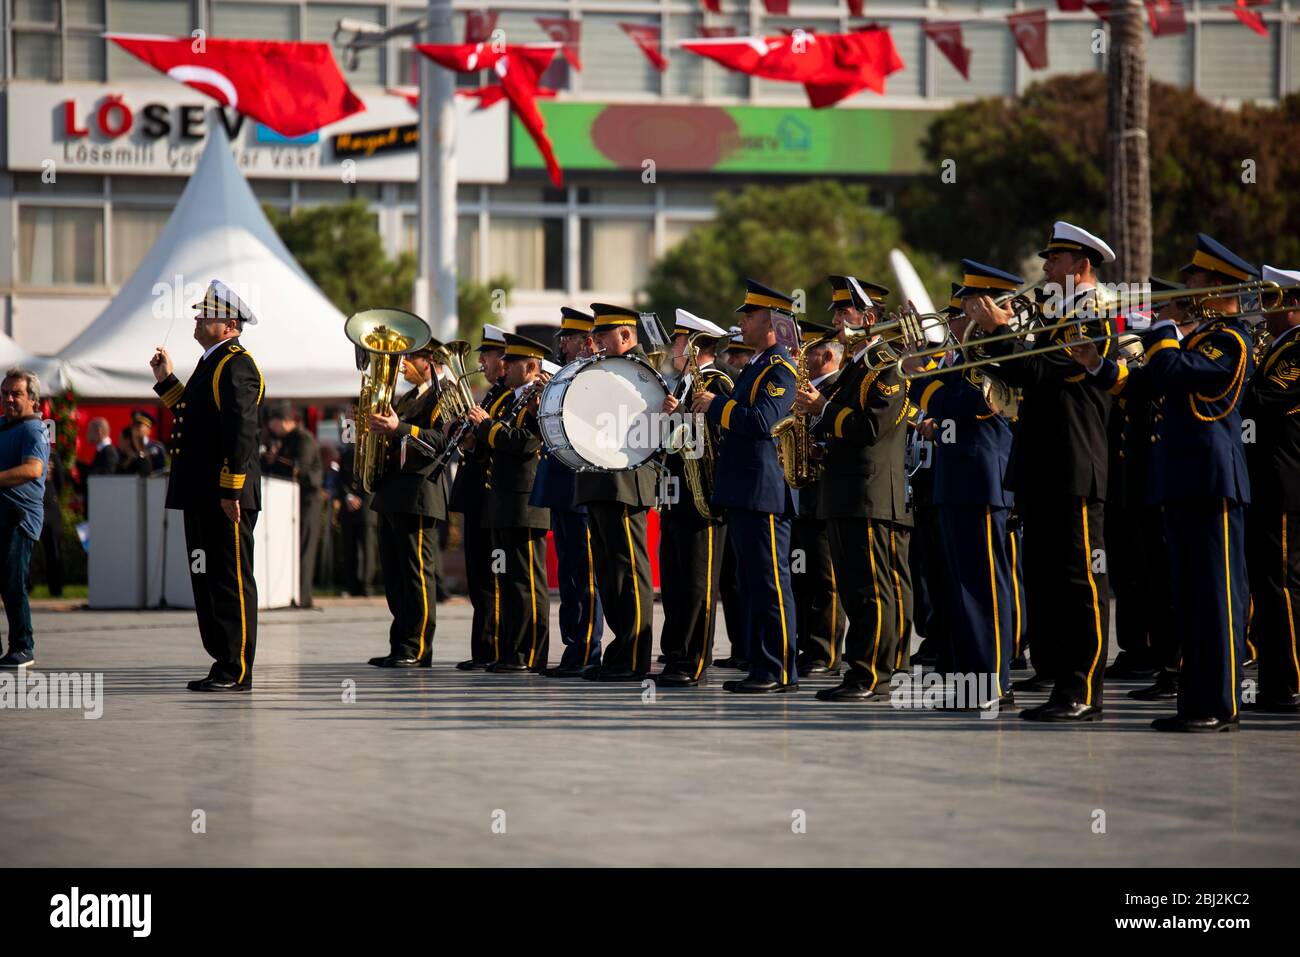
(24, 457)
(138, 453)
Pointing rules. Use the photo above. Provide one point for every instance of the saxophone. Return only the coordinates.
(794, 448)
(696, 469)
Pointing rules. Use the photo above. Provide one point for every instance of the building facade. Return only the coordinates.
(97, 146)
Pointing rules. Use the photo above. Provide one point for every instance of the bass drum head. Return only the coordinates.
(608, 413)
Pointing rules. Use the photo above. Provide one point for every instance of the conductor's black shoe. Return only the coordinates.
(564, 671)
(1165, 688)
(1274, 706)
(1034, 682)
(222, 684)
(1127, 666)
(846, 691)
(194, 685)
(1062, 711)
(508, 668)
(680, 679)
(1195, 725)
(392, 661)
(471, 665)
(729, 662)
(620, 675)
(751, 686)
(817, 668)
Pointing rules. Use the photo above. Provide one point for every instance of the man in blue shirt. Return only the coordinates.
(24, 455)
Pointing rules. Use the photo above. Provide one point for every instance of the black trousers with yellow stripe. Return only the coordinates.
(524, 635)
(481, 582)
(408, 546)
(225, 593)
(1211, 597)
(812, 578)
(582, 621)
(762, 543)
(1068, 593)
(690, 574)
(982, 626)
(1019, 608)
(1273, 557)
(620, 550)
(865, 553)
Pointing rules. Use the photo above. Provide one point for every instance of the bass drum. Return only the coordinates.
(599, 414)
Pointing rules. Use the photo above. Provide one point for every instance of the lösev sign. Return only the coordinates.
(161, 128)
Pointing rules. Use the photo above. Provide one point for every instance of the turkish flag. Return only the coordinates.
(294, 88)
(567, 33)
(709, 32)
(646, 37)
(1069, 6)
(713, 6)
(831, 66)
(1030, 31)
(778, 7)
(946, 35)
(1248, 18)
(519, 70)
(479, 25)
(1167, 18)
(856, 7)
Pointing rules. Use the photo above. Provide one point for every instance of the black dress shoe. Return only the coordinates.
(680, 679)
(1195, 725)
(1034, 682)
(729, 662)
(564, 671)
(1165, 688)
(846, 691)
(620, 676)
(221, 684)
(1018, 663)
(194, 685)
(508, 668)
(392, 661)
(471, 665)
(817, 668)
(751, 686)
(1274, 706)
(1062, 711)
(1128, 666)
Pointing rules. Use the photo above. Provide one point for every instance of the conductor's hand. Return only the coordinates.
(703, 399)
(478, 415)
(231, 508)
(670, 405)
(384, 423)
(987, 315)
(161, 363)
(809, 401)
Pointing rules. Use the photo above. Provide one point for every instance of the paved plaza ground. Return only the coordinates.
(441, 767)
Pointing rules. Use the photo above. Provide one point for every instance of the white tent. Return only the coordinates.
(217, 231)
(13, 355)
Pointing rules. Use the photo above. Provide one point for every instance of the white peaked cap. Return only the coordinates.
(1283, 277)
(1068, 236)
(688, 320)
(220, 302)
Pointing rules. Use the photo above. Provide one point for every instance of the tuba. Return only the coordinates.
(381, 337)
(696, 469)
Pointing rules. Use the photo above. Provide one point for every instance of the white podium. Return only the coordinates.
(137, 547)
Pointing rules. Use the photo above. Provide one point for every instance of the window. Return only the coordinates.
(164, 187)
(329, 191)
(165, 17)
(611, 61)
(617, 195)
(60, 245)
(616, 253)
(65, 183)
(1169, 58)
(135, 229)
(1069, 50)
(1238, 64)
(55, 40)
(467, 246)
(255, 21)
(529, 250)
(992, 63)
(319, 26)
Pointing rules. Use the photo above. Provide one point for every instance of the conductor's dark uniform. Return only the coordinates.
(617, 504)
(214, 458)
(408, 505)
(750, 485)
(517, 528)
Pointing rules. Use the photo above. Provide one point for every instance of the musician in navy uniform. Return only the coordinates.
(582, 620)
(750, 485)
(517, 528)
(972, 444)
(467, 492)
(1272, 407)
(732, 361)
(1057, 470)
(820, 612)
(1198, 473)
(617, 504)
(691, 542)
(215, 481)
(409, 505)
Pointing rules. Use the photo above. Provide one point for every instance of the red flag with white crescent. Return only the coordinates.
(646, 36)
(946, 35)
(294, 88)
(1030, 32)
(1167, 18)
(519, 70)
(567, 33)
(479, 25)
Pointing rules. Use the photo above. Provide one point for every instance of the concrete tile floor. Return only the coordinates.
(417, 769)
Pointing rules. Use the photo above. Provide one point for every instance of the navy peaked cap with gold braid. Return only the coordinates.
(1212, 256)
(758, 296)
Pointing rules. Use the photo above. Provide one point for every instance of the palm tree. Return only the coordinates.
(1127, 150)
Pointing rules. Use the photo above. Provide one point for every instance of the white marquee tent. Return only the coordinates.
(217, 231)
(13, 355)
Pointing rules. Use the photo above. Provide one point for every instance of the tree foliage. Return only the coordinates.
(1022, 163)
(788, 237)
